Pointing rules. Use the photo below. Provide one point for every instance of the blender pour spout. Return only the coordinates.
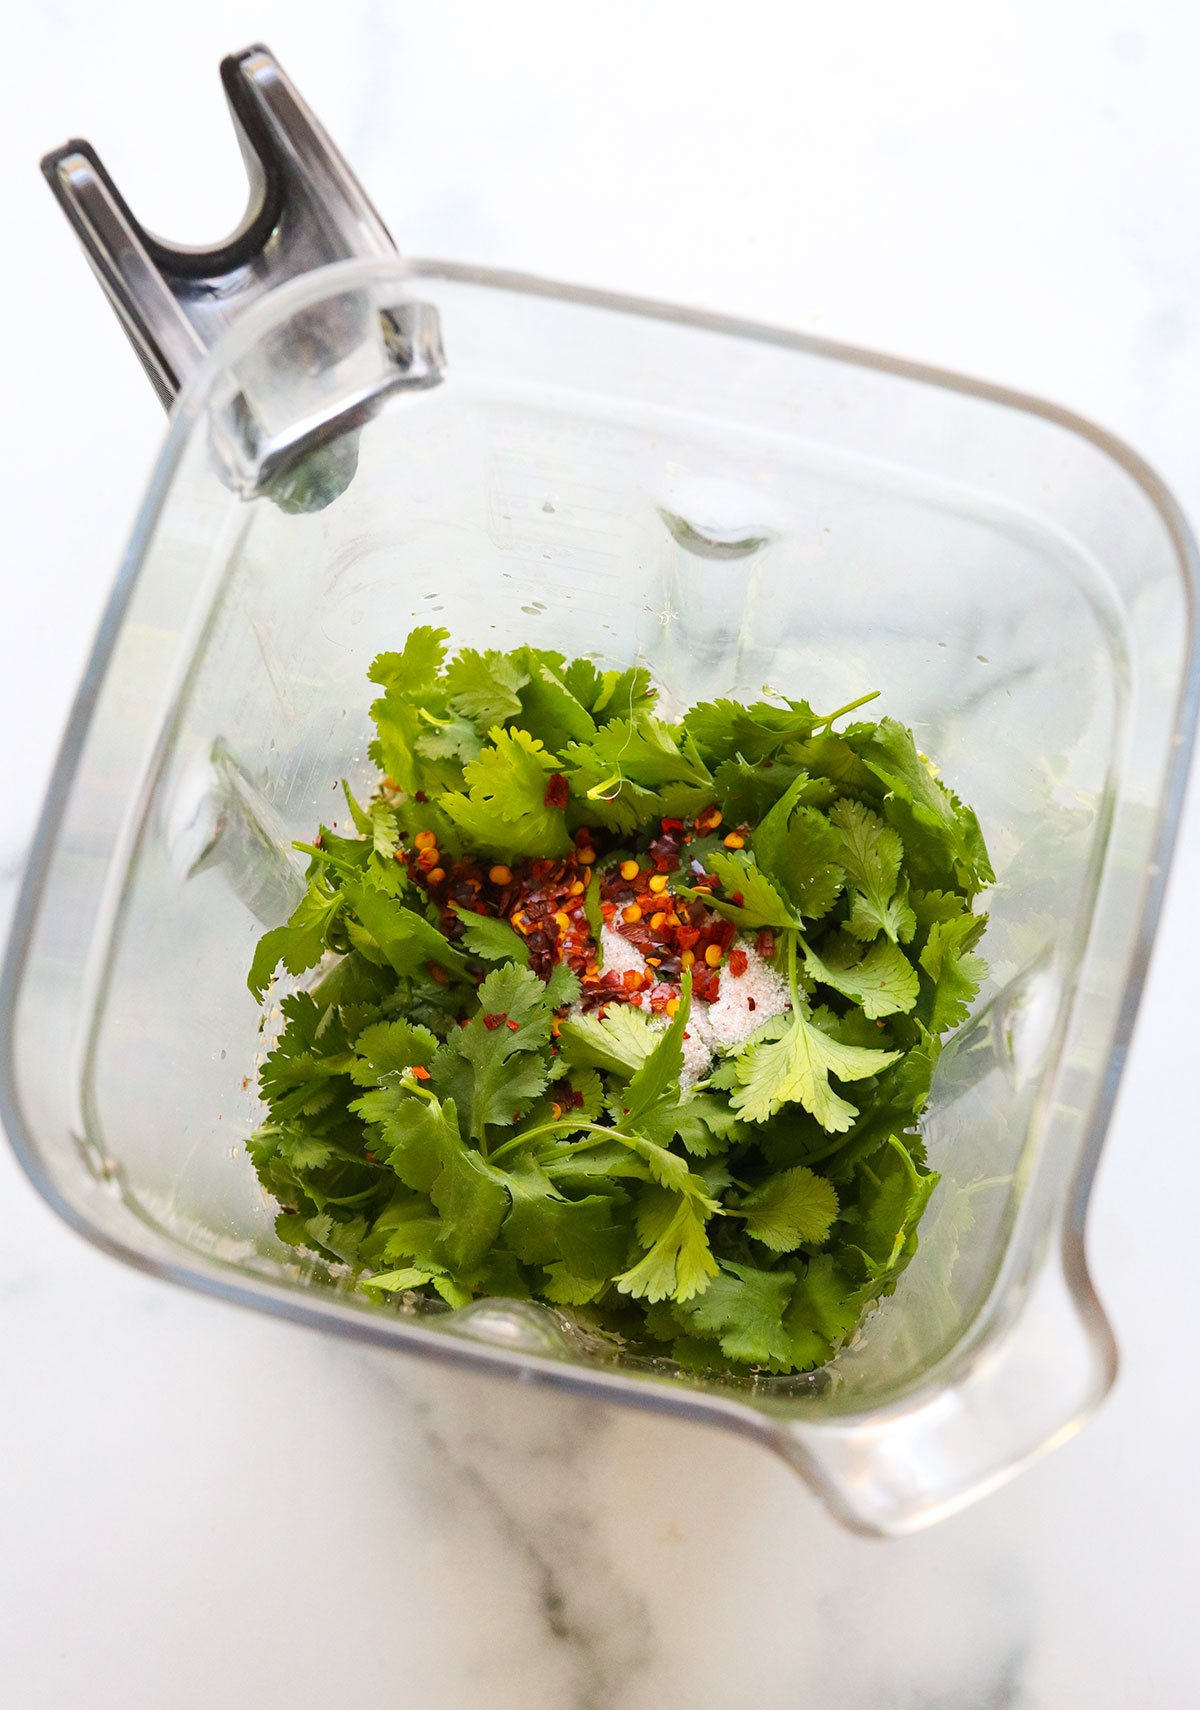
(306, 209)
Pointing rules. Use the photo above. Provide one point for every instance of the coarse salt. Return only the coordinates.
(746, 1000)
(619, 956)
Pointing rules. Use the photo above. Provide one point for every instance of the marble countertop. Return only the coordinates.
(201, 1507)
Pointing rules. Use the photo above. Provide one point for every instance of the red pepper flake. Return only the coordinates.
(764, 943)
(558, 793)
(437, 974)
(737, 899)
(672, 825)
(513, 1026)
(750, 1004)
(738, 963)
(419, 1073)
(418, 796)
(492, 1022)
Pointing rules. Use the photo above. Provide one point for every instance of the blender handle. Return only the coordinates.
(306, 210)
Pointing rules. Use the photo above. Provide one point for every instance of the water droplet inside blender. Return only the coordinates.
(707, 541)
(548, 508)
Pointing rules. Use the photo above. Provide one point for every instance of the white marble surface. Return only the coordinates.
(202, 1508)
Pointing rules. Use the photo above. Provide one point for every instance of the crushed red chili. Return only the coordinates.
(558, 793)
(544, 901)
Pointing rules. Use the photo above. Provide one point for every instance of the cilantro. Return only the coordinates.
(452, 1114)
(761, 903)
(484, 686)
(301, 943)
(944, 832)
(742, 1309)
(794, 1207)
(679, 1262)
(491, 940)
(871, 854)
(790, 1060)
(955, 972)
(503, 809)
(881, 979)
(725, 730)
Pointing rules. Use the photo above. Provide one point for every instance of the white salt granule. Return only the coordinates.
(711, 1025)
(697, 1057)
(619, 955)
(732, 1019)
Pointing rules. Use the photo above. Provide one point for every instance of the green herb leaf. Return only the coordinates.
(301, 943)
(484, 686)
(789, 1061)
(678, 1263)
(955, 971)
(503, 809)
(790, 1209)
(882, 979)
(743, 1309)
(491, 940)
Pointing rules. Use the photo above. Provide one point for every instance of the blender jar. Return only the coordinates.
(379, 444)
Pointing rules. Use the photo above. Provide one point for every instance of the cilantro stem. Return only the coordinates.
(851, 706)
(792, 972)
(565, 1125)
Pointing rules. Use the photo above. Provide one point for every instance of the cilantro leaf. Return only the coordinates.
(548, 709)
(406, 939)
(725, 730)
(657, 1075)
(743, 1309)
(397, 1282)
(503, 809)
(882, 979)
(871, 854)
(484, 687)
(491, 940)
(622, 693)
(389, 1048)
(925, 803)
(789, 1209)
(800, 850)
(428, 1153)
(300, 943)
(761, 905)
(825, 1307)
(956, 973)
(415, 667)
(679, 1262)
(893, 1194)
(619, 1043)
(513, 1022)
(746, 791)
(790, 1060)
(634, 770)
(543, 1226)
